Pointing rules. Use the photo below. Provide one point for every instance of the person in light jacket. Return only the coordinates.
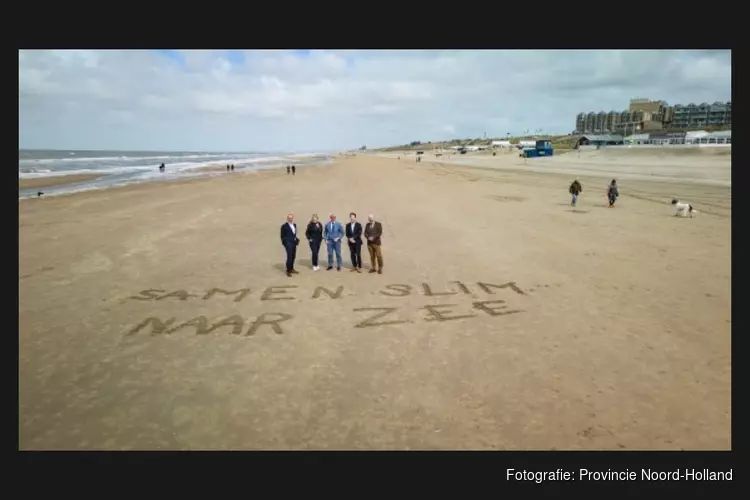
(332, 233)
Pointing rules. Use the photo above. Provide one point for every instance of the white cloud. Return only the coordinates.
(285, 100)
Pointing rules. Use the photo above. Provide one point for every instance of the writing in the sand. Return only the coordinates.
(376, 316)
(367, 317)
(285, 292)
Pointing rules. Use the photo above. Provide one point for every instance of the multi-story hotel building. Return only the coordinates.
(645, 116)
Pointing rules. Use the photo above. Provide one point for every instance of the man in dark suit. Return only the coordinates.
(373, 232)
(354, 237)
(289, 240)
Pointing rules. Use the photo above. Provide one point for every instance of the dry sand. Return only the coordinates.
(59, 180)
(621, 339)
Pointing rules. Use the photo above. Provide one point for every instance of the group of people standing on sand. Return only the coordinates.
(613, 192)
(230, 167)
(333, 232)
(291, 169)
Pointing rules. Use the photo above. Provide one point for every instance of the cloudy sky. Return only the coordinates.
(219, 100)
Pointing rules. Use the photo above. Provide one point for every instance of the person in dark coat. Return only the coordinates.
(314, 235)
(575, 189)
(290, 241)
(612, 193)
(354, 235)
(288, 170)
(294, 170)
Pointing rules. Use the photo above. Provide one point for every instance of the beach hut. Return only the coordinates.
(637, 139)
(719, 137)
(695, 136)
(600, 140)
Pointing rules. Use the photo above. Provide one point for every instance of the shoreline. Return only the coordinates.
(207, 172)
(56, 180)
(157, 184)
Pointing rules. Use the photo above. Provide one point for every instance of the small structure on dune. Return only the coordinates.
(600, 140)
(636, 139)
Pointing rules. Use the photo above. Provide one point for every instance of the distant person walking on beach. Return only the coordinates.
(289, 240)
(288, 170)
(232, 167)
(612, 193)
(314, 235)
(227, 168)
(354, 236)
(294, 170)
(373, 232)
(332, 233)
(575, 189)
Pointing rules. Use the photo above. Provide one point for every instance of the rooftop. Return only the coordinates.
(603, 138)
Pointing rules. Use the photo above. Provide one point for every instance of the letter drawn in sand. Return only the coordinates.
(150, 294)
(333, 295)
(200, 323)
(273, 323)
(268, 292)
(401, 290)
(428, 291)
(242, 293)
(236, 321)
(437, 315)
(483, 305)
(180, 294)
(462, 287)
(386, 311)
(511, 284)
(157, 325)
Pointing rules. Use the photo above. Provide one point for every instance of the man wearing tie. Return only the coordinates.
(289, 240)
(332, 233)
(373, 232)
(354, 236)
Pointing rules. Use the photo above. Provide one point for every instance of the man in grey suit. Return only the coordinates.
(332, 233)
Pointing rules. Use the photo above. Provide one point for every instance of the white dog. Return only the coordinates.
(683, 209)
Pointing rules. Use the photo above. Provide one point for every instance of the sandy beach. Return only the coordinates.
(158, 316)
(57, 180)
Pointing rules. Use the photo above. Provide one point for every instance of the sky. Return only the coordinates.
(323, 100)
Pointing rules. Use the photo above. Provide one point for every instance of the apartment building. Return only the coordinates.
(613, 122)
(702, 115)
(644, 115)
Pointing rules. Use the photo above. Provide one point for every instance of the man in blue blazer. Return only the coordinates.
(332, 233)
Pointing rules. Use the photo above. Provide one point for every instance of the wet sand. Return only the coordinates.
(59, 180)
(605, 328)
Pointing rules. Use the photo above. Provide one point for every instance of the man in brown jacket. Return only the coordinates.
(373, 232)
